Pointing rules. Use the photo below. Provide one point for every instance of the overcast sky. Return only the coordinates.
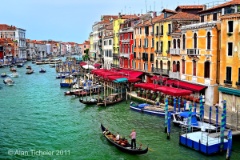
(72, 20)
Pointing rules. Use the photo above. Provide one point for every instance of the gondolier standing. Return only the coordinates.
(133, 139)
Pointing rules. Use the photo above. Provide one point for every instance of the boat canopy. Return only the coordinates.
(120, 80)
(194, 121)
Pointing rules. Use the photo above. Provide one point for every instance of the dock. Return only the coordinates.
(202, 142)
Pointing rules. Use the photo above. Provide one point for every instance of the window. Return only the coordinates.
(195, 41)
(208, 40)
(238, 74)
(174, 43)
(183, 66)
(174, 66)
(156, 63)
(184, 41)
(157, 46)
(110, 42)
(169, 46)
(140, 30)
(194, 68)
(152, 42)
(178, 66)
(215, 16)
(134, 42)
(202, 18)
(157, 30)
(169, 29)
(207, 69)
(230, 46)
(161, 29)
(178, 43)
(230, 26)
(228, 74)
(161, 64)
(161, 46)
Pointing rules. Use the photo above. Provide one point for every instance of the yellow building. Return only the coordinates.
(229, 79)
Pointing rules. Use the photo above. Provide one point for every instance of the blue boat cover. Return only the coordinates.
(120, 80)
(143, 105)
(186, 114)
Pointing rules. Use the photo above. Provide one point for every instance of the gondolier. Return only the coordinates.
(133, 139)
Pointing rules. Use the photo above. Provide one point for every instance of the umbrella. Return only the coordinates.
(88, 66)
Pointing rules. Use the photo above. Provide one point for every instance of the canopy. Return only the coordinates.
(97, 65)
(149, 86)
(87, 66)
(185, 85)
(173, 91)
(158, 78)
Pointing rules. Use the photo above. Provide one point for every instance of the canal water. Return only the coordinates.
(39, 122)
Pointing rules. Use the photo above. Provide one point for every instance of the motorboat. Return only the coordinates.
(3, 74)
(29, 71)
(8, 81)
(183, 118)
(42, 70)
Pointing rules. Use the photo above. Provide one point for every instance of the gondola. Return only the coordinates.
(126, 147)
(110, 100)
(91, 101)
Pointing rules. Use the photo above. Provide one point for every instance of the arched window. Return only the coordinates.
(174, 66)
(183, 66)
(195, 40)
(178, 43)
(156, 63)
(178, 66)
(208, 40)
(174, 43)
(184, 41)
(161, 64)
(157, 46)
(168, 65)
(194, 68)
(207, 69)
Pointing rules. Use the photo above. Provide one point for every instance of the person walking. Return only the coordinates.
(133, 139)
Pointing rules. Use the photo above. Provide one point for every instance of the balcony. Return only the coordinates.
(169, 33)
(194, 79)
(161, 34)
(192, 52)
(125, 40)
(125, 55)
(207, 81)
(115, 55)
(175, 51)
(175, 75)
(145, 46)
(151, 33)
(156, 34)
(161, 71)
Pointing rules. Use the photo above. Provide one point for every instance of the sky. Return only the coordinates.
(72, 20)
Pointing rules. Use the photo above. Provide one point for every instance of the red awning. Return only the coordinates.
(149, 86)
(97, 65)
(173, 91)
(157, 78)
(189, 86)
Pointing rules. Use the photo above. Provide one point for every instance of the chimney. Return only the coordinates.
(154, 14)
(119, 15)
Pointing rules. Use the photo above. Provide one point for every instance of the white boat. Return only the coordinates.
(8, 81)
(182, 119)
(3, 74)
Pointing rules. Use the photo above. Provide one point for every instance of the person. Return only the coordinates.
(117, 137)
(133, 139)
(217, 105)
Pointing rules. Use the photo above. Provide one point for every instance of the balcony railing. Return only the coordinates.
(125, 40)
(192, 52)
(151, 33)
(174, 51)
(175, 75)
(161, 71)
(126, 55)
(228, 82)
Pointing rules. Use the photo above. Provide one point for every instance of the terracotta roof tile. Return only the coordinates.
(7, 27)
(183, 16)
(233, 2)
(190, 7)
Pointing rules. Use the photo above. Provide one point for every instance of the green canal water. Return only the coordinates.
(38, 122)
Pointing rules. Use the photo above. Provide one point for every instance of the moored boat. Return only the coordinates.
(122, 144)
(12, 69)
(28, 67)
(8, 81)
(3, 74)
(110, 100)
(182, 118)
(42, 70)
(19, 65)
(67, 82)
(90, 101)
(29, 71)
(157, 110)
(15, 74)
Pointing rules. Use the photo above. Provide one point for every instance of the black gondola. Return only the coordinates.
(91, 101)
(126, 147)
(110, 100)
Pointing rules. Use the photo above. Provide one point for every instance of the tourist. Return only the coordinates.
(133, 139)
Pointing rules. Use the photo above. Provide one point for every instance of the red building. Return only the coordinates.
(126, 43)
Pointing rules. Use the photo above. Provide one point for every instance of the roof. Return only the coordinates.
(7, 27)
(190, 7)
(230, 3)
(233, 15)
(169, 11)
(128, 16)
(183, 16)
